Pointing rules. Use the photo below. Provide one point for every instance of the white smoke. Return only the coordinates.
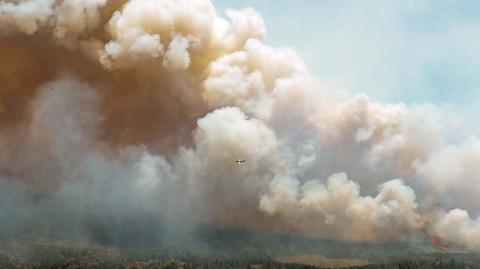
(456, 227)
(136, 111)
(338, 210)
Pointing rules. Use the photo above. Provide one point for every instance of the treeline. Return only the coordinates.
(219, 264)
(426, 261)
(39, 254)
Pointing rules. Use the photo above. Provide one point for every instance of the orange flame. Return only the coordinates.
(438, 244)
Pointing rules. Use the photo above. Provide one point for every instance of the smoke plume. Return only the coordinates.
(120, 117)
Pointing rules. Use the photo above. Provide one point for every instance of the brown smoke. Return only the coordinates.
(132, 113)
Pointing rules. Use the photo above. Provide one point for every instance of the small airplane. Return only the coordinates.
(239, 161)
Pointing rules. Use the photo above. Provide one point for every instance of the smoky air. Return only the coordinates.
(144, 121)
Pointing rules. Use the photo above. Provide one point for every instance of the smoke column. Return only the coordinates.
(120, 116)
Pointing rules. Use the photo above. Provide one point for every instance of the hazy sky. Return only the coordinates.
(412, 51)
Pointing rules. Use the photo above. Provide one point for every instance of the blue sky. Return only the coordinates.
(412, 51)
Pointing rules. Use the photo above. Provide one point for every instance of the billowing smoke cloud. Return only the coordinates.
(119, 118)
(338, 210)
